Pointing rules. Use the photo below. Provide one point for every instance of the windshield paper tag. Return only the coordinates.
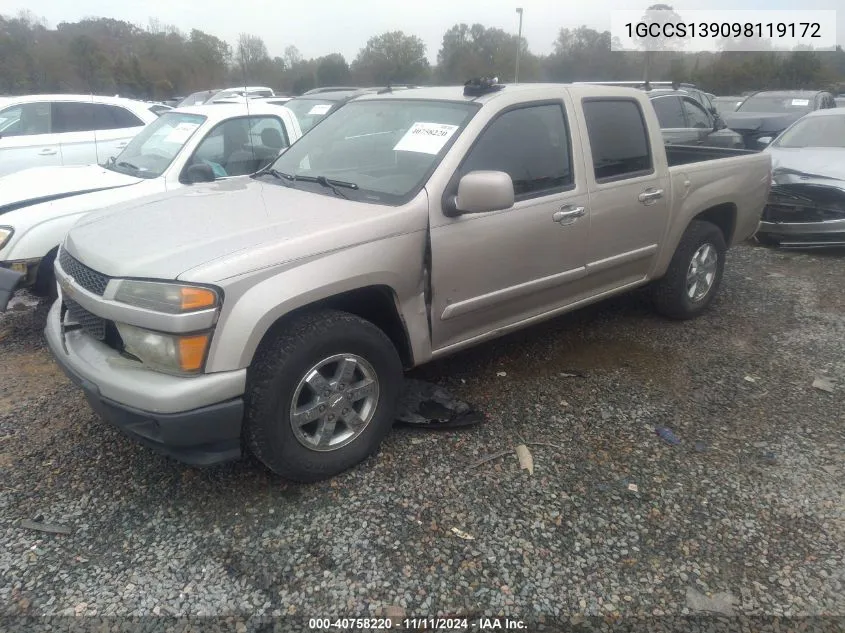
(427, 138)
(800, 102)
(181, 133)
(320, 109)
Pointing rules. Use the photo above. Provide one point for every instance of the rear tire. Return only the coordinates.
(305, 433)
(694, 274)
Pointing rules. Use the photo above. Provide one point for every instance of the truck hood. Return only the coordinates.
(164, 236)
(43, 184)
(760, 121)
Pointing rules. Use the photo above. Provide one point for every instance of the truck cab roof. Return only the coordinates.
(533, 90)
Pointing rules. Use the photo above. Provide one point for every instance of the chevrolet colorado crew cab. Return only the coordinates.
(276, 313)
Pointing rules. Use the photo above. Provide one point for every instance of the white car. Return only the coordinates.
(52, 130)
(181, 147)
(245, 92)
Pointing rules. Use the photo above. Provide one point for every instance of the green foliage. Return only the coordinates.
(391, 57)
(110, 56)
(476, 51)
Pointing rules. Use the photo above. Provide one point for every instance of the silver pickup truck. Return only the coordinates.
(276, 313)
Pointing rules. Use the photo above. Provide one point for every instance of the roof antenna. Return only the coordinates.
(481, 85)
(94, 125)
(248, 122)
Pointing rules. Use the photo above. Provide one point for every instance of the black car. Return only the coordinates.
(313, 106)
(763, 115)
(684, 121)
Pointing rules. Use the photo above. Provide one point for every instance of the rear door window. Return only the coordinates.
(618, 139)
(696, 116)
(69, 116)
(670, 114)
(114, 117)
(531, 144)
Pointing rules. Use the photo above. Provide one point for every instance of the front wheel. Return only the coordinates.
(321, 395)
(694, 273)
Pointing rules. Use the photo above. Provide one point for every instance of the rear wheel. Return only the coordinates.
(321, 395)
(694, 273)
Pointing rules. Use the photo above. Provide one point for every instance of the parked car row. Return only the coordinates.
(275, 311)
(227, 95)
(180, 148)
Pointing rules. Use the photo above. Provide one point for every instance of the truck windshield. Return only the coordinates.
(815, 131)
(385, 147)
(776, 103)
(154, 148)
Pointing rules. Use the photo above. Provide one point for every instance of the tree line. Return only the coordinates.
(107, 56)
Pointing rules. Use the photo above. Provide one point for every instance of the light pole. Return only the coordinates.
(518, 47)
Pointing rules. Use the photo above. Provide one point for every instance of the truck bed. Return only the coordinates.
(685, 154)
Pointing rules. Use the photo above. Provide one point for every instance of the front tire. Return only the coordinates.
(321, 395)
(694, 274)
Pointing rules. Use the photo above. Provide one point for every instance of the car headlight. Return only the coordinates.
(5, 235)
(166, 352)
(166, 297)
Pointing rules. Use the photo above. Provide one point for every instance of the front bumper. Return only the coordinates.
(146, 404)
(9, 280)
(829, 233)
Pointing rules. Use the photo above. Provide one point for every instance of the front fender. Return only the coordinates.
(34, 242)
(253, 302)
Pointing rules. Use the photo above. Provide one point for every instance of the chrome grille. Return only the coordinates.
(86, 277)
(91, 323)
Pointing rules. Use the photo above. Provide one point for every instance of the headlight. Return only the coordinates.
(166, 297)
(5, 235)
(165, 352)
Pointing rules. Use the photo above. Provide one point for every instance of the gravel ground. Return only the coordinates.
(744, 516)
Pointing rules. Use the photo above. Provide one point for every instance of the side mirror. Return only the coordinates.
(483, 191)
(199, 173)
(764, 141)
(719, 123)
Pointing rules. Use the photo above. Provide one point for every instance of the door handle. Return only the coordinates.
(568, 214)
(650, 196)
(48, 152)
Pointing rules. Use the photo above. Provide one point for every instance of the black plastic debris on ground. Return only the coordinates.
(428, 406)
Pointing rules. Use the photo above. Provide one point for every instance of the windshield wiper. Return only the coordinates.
(276, 174)
(124, 163)
(329, 183)
(334, 184)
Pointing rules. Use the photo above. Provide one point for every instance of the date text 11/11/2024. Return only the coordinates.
(419, 624)
(463, 624)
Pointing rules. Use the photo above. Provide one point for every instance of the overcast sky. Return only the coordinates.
(326, 26)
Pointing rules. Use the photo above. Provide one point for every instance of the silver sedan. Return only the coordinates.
(806, 206)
